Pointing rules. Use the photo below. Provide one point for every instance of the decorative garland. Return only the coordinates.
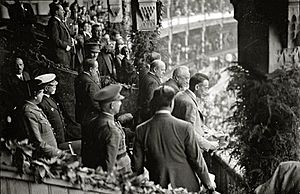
(69, 168)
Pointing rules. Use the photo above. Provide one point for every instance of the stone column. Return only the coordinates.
(262, 31)
(170, 31)
(186, 39)
(294, 24)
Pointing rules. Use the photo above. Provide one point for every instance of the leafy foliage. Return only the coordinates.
(266, 121)
(145, 42)
(68, 168)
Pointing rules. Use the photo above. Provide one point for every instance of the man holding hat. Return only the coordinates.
(104, 142)
(51, 108)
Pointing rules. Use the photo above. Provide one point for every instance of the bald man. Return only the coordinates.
(147, 85)
(180, 79)
(15, 83)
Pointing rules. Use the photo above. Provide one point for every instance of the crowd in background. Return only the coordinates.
(194, 7)
(77, 43)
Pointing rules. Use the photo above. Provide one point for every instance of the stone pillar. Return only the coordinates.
(127, 18)
(262, 31)
(203, 29)
(203, 39)
(170, 31)
(221, 36)
(294, 24)
(186, 38)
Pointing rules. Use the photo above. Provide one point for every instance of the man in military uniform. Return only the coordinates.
(51, 108)
(103, 142)
(40, 132)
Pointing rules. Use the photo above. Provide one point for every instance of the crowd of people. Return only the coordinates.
(73, 36)
(194, 7)
(166, 109)
(171, 132)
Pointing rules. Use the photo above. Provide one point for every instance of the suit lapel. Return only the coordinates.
(62, 24)
(108, 62)
(154, 77)
(188, 92)
(26, 76)
(89, 77)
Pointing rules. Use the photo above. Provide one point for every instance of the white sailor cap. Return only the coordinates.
(47, 79)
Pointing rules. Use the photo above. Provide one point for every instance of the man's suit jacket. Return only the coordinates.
(147, 86)
(187, 108)
(172, 83)
(18, 89)
(167, 147)
(106, 65)
(21, 15)
(85, 90)
(54, 115)
(59, 39)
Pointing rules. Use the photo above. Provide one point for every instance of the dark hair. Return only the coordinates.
(123, 50)
(94, 27)
(88, 63)
(162, 97)
(114, 32)
(53, 9)
(196, 79)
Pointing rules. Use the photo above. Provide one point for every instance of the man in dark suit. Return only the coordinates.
(85, 89)
(180, 79)
(186, 107)
(15, 83)
(147, 86)
(51, 108)
(167, 147)
(96, 34)
(106, 62)
(60, 41)
(22, 19)
(103, 142)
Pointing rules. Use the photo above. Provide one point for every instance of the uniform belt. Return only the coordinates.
(121, 155)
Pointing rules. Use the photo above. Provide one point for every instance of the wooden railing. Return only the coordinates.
(12, 183)
(228, 176)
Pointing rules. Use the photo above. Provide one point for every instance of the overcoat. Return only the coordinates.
(167, 147)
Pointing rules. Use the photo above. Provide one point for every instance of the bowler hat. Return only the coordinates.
(109, 93)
